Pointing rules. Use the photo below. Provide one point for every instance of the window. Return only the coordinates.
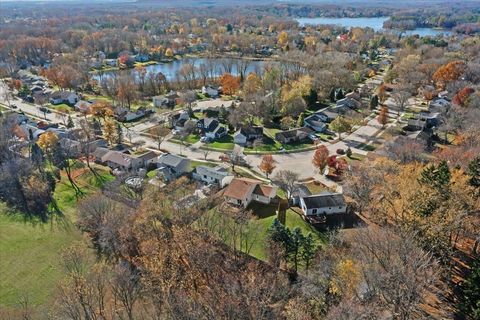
(205, 176)
(314, 211)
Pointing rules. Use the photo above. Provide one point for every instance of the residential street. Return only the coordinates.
(299, 162)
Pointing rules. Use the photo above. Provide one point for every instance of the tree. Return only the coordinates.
(169, 53)
(309, 250)
(252, 84)
(287, 180)
(230, 84)
(395, 269)
(374, 102)
(282, 39)
(449, 72)
(474, 172)
(300, 120)
(70, 123)
(469, 303)
(126, 90)
(267, 165)
(287, 122)
(383, 116)
(110, 131)
(48, 142)
(102, 109)
(462, 96)
(340, 125)
(320, 157)
(188, 98)
(159, 133)
(401, 98)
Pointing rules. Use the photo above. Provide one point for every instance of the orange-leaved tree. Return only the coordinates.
(267, 165)
(230, 84)
(449, 72)
(320, 158)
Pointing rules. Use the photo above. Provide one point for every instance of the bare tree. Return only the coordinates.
(401, 98)
(396, 270)
(287, 181)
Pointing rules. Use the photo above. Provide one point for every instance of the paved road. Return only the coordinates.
(300, 162)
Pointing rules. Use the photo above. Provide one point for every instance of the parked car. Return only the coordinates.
(312, 137)
(205, 139)
(13, 106)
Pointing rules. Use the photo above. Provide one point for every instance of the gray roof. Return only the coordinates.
(324, 199)
(171, 160)
(100, 152)
(218, 172)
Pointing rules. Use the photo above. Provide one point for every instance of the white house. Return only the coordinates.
(217, 175)
(241, 191)
(67, 97)
(324, 203)
(210, 91)
(242, 136)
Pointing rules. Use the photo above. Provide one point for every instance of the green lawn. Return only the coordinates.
(30, 261)
(195, 163)
(225, 142)
(264, 215)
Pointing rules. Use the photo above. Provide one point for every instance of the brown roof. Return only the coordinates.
(263, 190)
(240, 188)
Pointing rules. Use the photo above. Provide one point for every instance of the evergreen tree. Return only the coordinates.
(309, 249)
(437, 177)
(340, 94)
(97, 127)
(70, 123)
(474, 172)
(374, 102)
(332, 95)
(470, 293)
(311, 98)
(37, 156)
(294, 246)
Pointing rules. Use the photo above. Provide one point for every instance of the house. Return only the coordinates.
(99, 153)
(210, 91)
(246, 134)
(416, 125)
(349, 102)
(125, 115)
(440, 104)
(171, 166)
(217, 175)
(324, 203)
(66, 97)
(120, 160)
(328, 114)
(148, 159)
(293, 135)
(141, 57)
(73, 147)
(432, 119)
(210, 128)
(241, 191)
(111, 62)
(83, 106)
(315, 122)
(168, 100)
(178, 120)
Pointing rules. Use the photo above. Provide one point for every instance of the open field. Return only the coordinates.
(30, 264)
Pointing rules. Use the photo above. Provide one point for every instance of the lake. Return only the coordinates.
(215, 66)
(376, 23)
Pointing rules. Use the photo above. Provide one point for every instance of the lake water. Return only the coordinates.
(376, 23)
(216, 67)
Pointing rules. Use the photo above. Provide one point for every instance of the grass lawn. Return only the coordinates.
(61, 106)
(225, 142)
(194, 164)
(264, 215)
(192, 138)
(316, 187)
(30, 261)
